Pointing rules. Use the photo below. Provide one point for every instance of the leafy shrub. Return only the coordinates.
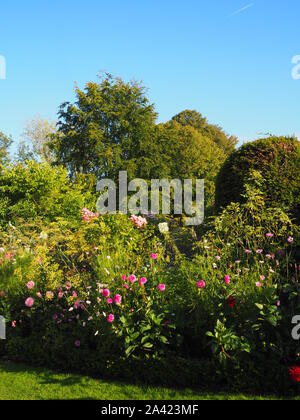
(38, 190)
(278, 161)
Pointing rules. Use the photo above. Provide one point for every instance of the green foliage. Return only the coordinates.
(112, 127)
(108, 129)
(38, 190)
(278, 161)
(239, 325)
(213, 132)
(5, 143)
(35, 139)
(190, 155)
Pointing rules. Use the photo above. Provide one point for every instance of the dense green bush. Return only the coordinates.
(277, 159)
(38, 190)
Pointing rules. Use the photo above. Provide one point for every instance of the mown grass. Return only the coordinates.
(19, 382)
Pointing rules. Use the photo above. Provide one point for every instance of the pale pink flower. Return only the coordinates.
(138, 221)
(290, 240)
(88, 216)
(262, 278)
(77, 344)
(258, 284)
(49, 295)
(30, 285)
(29, 302)
(132, 278)
(39, 295)
(270, 235)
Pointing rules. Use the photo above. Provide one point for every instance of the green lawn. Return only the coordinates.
(18, 382)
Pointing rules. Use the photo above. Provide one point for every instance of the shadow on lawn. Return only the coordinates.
(66, 379)
(44, 376)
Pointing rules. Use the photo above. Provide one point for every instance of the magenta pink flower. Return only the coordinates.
(30, 285)
(201, 284)
(143, 281)
(161, 287)
(110, 318)
(132, 278)
(227, 280)
(29, 302)
(153, 256)
(77, 344)
(124, 278)
(118, 299)
(126, 286)
(109, 301)
(106, 293)
(74, 294)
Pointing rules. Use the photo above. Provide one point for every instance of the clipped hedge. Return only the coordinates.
(277, 159)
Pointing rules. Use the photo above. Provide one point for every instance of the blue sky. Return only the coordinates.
(229, 59)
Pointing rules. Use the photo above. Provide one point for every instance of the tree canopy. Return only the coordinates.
(5, 143)
(213, 132)
(107, 129)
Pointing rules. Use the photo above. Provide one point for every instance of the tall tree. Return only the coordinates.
(191, 155)
(215, 133)
(5, 143)
(35, 140)
(107, 129)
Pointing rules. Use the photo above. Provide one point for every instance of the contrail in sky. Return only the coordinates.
(237, 12)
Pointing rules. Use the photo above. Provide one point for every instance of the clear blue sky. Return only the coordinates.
(235, 68)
